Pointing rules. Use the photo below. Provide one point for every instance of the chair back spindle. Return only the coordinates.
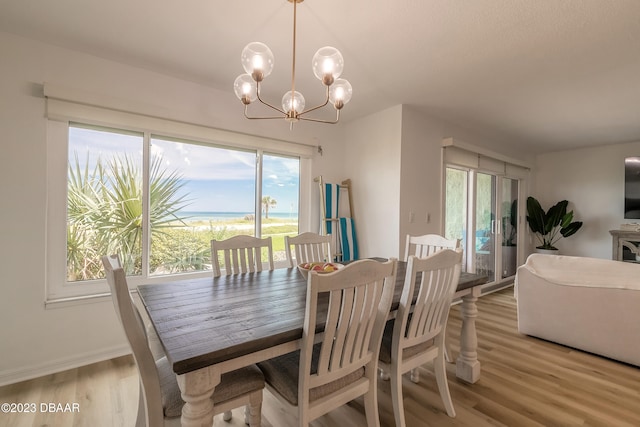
(240, 254)
(428, 244)
(308, 247)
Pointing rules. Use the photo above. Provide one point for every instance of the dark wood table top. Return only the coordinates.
(205, 321)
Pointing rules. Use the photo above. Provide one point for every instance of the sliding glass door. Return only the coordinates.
(509, 226)
(456, 213)
(485, 225)
(481, 211)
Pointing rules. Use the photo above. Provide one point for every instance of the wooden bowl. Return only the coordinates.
(304, 268)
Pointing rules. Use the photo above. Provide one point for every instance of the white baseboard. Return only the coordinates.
(24, 373)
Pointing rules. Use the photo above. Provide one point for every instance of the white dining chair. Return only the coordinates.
(428, 244)
(240, 254)
(308, 247)
(160, 401)
(416, 335)
(353, 303)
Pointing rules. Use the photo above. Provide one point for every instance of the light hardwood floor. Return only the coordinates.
(525, 382)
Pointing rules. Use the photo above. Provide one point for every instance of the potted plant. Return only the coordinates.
(552, 225)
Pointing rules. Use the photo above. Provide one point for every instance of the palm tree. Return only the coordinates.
(105, 213)
(268, 202)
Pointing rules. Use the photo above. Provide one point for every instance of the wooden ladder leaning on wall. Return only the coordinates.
(330, 221)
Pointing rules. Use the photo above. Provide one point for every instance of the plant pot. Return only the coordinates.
(547, 251)
(509, 260)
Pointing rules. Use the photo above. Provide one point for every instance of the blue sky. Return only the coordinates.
(216, 179)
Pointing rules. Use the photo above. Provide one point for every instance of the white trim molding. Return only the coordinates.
(25, 373)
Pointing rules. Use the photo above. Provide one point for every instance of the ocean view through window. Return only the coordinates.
(159, 201)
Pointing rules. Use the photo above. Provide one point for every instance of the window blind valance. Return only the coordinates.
(68, 107)
(467, 156)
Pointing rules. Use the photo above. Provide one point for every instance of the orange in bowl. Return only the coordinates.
(320, 267)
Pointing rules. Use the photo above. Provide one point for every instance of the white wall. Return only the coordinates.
(421, 176)
(372, 152)
(33, 339)
(592, 180)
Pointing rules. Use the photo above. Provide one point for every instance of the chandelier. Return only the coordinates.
(257, 60)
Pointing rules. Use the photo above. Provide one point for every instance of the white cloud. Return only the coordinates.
(207, 163)
(192, 161)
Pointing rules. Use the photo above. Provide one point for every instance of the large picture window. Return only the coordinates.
(196, 193)
(157, 201)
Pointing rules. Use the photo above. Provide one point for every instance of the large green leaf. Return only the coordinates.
(554, 216)
(571, 229)
(535, 215)
(566, 220)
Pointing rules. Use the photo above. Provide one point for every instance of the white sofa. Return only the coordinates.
(586, 303)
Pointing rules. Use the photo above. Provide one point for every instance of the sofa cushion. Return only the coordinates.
(582, 271)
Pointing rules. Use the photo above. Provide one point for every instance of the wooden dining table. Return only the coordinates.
(209, 326)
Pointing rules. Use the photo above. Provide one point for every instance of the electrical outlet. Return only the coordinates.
(412, 216)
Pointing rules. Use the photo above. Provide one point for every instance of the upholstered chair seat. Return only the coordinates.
(282, 373)
(387, 338)
(233, 384)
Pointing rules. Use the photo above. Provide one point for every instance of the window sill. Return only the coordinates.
(62, 301)
(51, 304)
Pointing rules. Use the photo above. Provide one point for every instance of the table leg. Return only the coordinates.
(467, 364)
(196, 389)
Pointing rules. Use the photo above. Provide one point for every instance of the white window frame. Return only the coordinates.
(61, 112)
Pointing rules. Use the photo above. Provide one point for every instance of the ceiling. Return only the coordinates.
(544, 74)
